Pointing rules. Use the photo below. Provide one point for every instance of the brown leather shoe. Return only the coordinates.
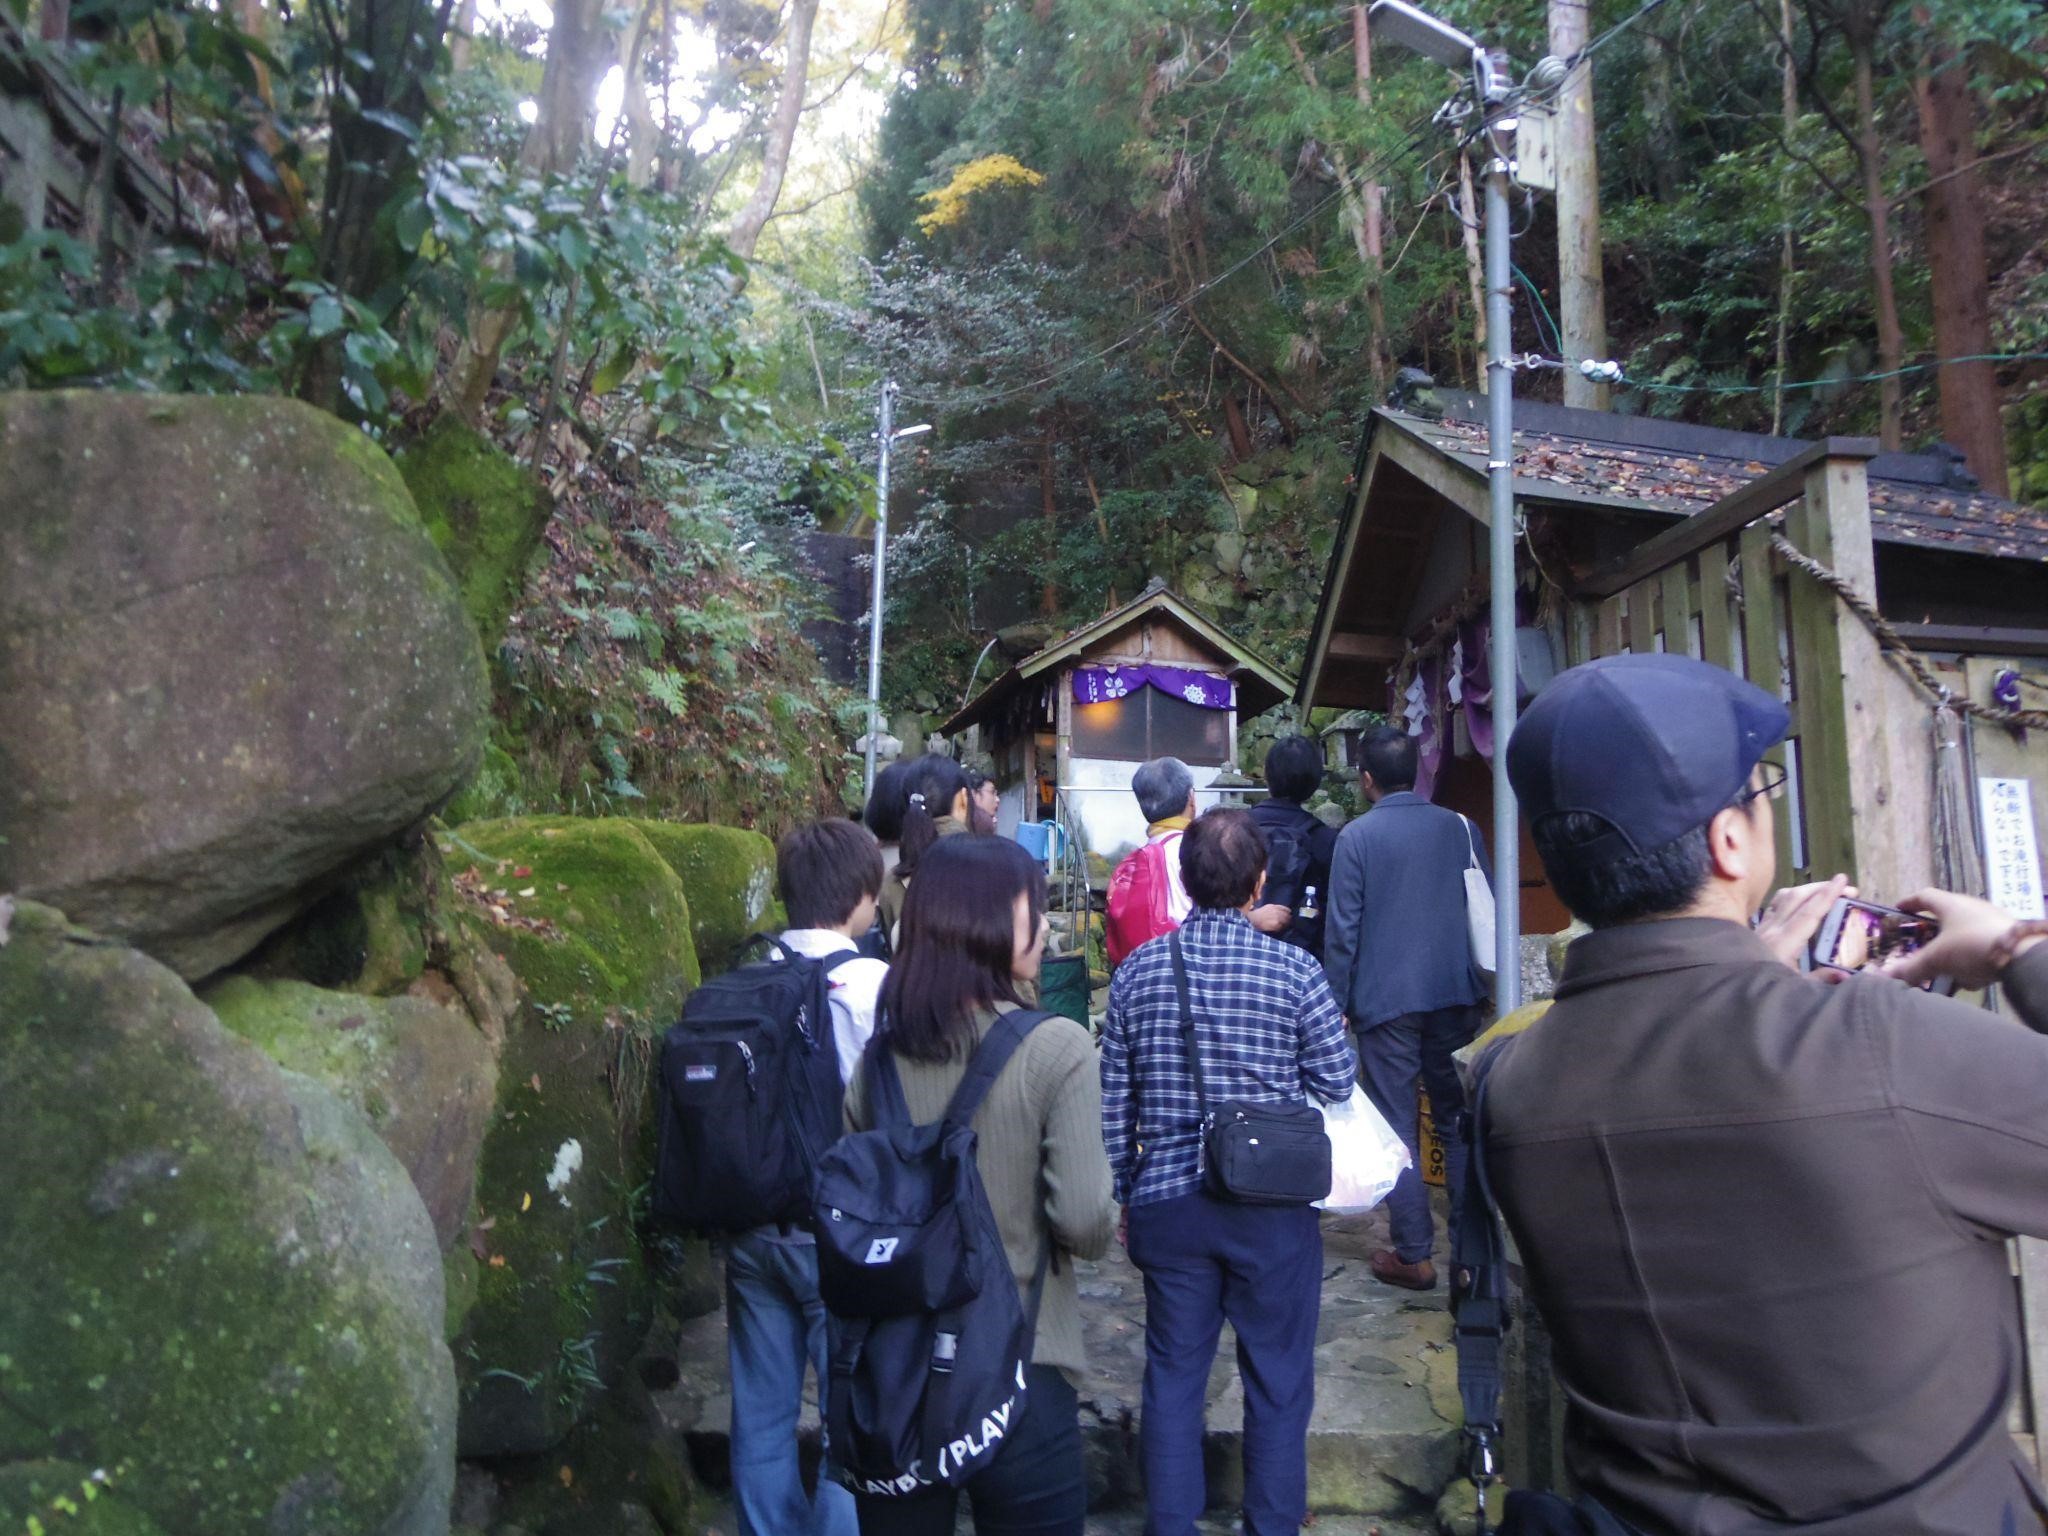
(1388, 1269)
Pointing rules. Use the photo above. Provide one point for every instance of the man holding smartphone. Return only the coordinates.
(1763, 1217)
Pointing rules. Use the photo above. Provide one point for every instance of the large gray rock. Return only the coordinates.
(221, 1288)
(422, 1073)
(231, 660)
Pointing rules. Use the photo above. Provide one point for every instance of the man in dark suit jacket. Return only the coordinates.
(1398, 954)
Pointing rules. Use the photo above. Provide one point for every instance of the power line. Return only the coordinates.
(1534, 360)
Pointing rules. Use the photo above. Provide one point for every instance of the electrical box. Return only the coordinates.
(1536, 148)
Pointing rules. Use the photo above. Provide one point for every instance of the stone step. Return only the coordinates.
(1383, 1439)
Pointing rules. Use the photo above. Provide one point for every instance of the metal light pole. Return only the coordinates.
(887, 436)
(1500, 484)
(1399, 22)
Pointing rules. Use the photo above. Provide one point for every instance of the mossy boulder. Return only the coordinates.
(371, 933)
(590, 917)
(423, 1074)
(221, 1288)
(494, 792)
(729, 875)
(231, 662)
(596, 926)
(484, 513)
(562, 1299)
(63, 1498)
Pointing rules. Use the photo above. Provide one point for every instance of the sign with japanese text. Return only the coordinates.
(2012, 857)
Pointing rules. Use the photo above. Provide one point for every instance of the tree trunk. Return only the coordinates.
(382, 61)
(462, 36)
(1891, 345)
(746, 229)
(1658, 116)
(1374, 232)
(1581, 289)
(1049, 595)
(1788, 246)
(643, 134)
(1955, 251)
(578, 55)
(1475, 269)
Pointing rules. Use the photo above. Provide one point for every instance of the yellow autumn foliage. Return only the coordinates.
(949, 203)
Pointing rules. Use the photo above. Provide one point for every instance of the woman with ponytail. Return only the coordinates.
(935, 797)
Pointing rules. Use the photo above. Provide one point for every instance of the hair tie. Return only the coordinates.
(917, 800)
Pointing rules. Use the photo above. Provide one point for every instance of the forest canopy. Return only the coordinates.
(1143, 264)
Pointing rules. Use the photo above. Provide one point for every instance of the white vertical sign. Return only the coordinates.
(2012, 858)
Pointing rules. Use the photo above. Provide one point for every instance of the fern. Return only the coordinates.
(622, 624)
(665, 686)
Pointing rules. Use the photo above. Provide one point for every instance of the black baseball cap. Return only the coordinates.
(1652, 745)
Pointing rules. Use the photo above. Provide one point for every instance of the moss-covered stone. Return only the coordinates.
(729, 875)
(597, 927)
(220, 1285)
(589, 916)
(369, 934)
(484, 513)
(495, 792)
(231, 662)
(422, 1073)
(63, 1498)
(562, 1298)
(621, 1472)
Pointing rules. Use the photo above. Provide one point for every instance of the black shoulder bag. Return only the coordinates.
(1255, 1154)
(1480, 1321)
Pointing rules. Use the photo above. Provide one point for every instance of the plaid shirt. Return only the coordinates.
(1266, 1024)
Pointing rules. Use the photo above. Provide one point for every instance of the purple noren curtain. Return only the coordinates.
(1100, 685)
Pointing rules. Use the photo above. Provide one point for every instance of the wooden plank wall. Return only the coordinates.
(1725, 604)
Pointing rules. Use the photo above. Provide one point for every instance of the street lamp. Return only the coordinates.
(1417, 30)
(888, 435)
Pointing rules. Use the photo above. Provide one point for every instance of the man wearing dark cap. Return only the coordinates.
(1763, 1217)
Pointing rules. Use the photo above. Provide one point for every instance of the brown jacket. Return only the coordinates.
(1764, 1220)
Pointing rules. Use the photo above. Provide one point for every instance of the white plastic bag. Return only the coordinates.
(1366, 1157)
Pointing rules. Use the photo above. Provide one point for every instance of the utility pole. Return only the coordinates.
(1398, 22)
(887, 437)
(1581, 289)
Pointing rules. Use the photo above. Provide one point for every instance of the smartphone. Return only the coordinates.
(1856, 935)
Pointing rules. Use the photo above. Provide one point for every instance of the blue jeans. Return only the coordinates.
(775, 1326)
(1392, 1056)
(1260, 1266)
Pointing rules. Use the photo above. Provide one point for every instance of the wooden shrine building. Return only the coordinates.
(1070, 723)
(1641, 535)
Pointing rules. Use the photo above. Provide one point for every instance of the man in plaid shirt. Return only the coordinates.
(1270, 1031)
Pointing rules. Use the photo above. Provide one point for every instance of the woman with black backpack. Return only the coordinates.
(968, 953)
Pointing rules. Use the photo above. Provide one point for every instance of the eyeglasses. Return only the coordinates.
(1772, 787)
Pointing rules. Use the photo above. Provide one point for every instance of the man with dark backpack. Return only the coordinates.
(1299, 846)
(753, 1078)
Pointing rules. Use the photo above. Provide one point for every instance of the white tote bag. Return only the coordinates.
(1366, 1157)
(1478, 903)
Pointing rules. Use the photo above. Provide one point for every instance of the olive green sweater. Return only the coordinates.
(1041, 1160)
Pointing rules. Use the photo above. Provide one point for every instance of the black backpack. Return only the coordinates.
(1289, 860)
(930, 1339)
(750, 1096)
